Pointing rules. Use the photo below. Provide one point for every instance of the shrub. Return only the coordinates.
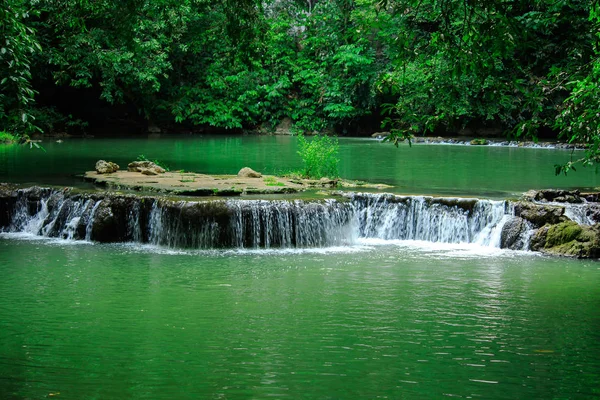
(320, 156)
(6, 137)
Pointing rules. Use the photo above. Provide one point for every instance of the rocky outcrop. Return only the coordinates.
(568, 239)
(554, 195)
(106, 167)
(249, 173)
(145, 167)
(556, 233)
(540, 214)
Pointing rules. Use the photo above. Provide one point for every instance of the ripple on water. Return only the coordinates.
(390, 320)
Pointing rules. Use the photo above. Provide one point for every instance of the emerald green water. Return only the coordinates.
(391, 321)
(480, 171)
(381, 320)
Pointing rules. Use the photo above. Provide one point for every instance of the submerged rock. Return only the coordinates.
(248, 173)
(106, 167)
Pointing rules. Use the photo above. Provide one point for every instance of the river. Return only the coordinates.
(371, 319)
(479, 171)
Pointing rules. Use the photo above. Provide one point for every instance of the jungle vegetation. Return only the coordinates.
(521, 68)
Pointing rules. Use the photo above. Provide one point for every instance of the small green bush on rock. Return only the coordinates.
(320, 156)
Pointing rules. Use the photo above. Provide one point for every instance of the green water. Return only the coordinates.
(480, 171)
(115, 322)
(388, 320)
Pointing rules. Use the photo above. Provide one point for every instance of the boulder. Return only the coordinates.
(248, 173)
(568, 239)
(538, 239)
(591, 197)
(106, 167)
(141, 166)
(593, 212)
(553, 195)
(105, 223)
(153, 129)
(540, 214)
(512, 234)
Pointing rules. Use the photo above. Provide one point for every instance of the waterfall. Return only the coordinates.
(240, 223)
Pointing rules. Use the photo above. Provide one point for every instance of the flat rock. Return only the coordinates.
(193, 184)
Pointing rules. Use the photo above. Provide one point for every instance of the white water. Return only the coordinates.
(280, 224)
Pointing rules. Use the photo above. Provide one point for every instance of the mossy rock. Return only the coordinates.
(539, 214)
(571, 239)
(563, 233)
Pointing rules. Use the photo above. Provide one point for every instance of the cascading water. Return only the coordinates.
(240, 223)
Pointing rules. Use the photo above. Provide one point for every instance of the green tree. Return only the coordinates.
(16, 51)
(579, 118)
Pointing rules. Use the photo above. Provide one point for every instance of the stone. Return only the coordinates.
(511, 236)
(538, 239)
(104, 223)
(148, 171)
(153, 129)
(573, 240)
(554, 195)
(540, 214)
(380, 135)
(248, 173)
(106, 167)
(140, 166)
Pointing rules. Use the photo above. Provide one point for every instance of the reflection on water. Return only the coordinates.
(395, 320)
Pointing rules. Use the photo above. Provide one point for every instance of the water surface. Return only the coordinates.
(378, 319)
(480, 171)
(393, 320)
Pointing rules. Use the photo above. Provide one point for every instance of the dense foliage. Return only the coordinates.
(522, 68)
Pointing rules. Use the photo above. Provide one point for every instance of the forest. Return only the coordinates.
(350, 67)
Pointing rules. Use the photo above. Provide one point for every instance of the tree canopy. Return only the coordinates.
(522, 68)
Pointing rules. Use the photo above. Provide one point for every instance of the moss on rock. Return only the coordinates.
(568, 239)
